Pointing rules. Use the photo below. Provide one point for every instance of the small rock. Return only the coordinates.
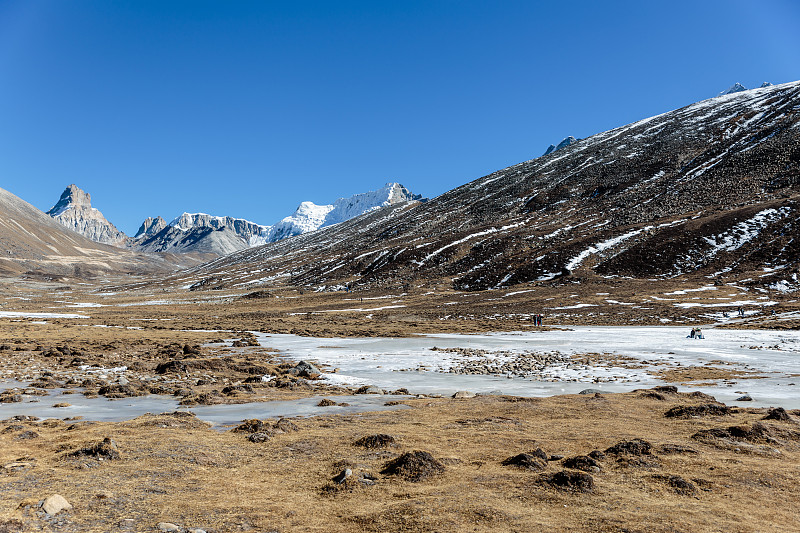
(167, 526)
(342, 476)
(592, 391)
(54, 504)
(304, 369)
(462, 394)
(371, 389)
(259, 436)
(745, 398)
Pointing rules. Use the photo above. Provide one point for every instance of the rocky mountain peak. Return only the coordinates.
(735, 88)
(151, 226)
(563, 144)
(72, 196)
(74, 210)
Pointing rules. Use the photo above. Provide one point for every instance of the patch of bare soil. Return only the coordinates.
(700, 374)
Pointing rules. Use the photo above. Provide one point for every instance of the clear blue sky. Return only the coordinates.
(247, 108)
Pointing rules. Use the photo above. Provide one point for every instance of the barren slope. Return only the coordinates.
(707, 190)
(31, 241)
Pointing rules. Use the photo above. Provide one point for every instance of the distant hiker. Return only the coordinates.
(691, 335)
(698, 334)
(725, 314)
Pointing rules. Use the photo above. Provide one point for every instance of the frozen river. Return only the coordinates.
(412, 363)
(392, 363)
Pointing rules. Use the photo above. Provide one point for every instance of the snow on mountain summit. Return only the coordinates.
(195, 231)
(735, 88)
(563, 144)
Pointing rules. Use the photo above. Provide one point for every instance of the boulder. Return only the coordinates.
(54, 504)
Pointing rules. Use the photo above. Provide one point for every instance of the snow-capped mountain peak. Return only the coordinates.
(563, 144)
(223, 234)
(735, 88)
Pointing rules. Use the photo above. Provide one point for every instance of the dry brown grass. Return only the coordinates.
(198, 477)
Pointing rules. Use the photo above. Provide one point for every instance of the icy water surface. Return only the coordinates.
(411, 363)
(392, 363)
(105, 410)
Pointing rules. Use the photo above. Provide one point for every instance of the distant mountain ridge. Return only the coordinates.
(224, 235)
(219, 235)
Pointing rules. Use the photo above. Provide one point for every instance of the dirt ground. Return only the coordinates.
(436, 466)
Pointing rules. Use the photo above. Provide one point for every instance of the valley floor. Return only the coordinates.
(685, 462)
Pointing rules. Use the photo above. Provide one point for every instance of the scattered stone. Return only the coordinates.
(54, 504)
(631, 447)
(168, 527)
(690, 411)
(62, 404)
(464, 394)
(555, 457)
(592, 391)
(27, 435)
(745, 398)
(777, 413)
(325, 402)
(569, 480)
(379, 440)
(526, 461)
(414, 466)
